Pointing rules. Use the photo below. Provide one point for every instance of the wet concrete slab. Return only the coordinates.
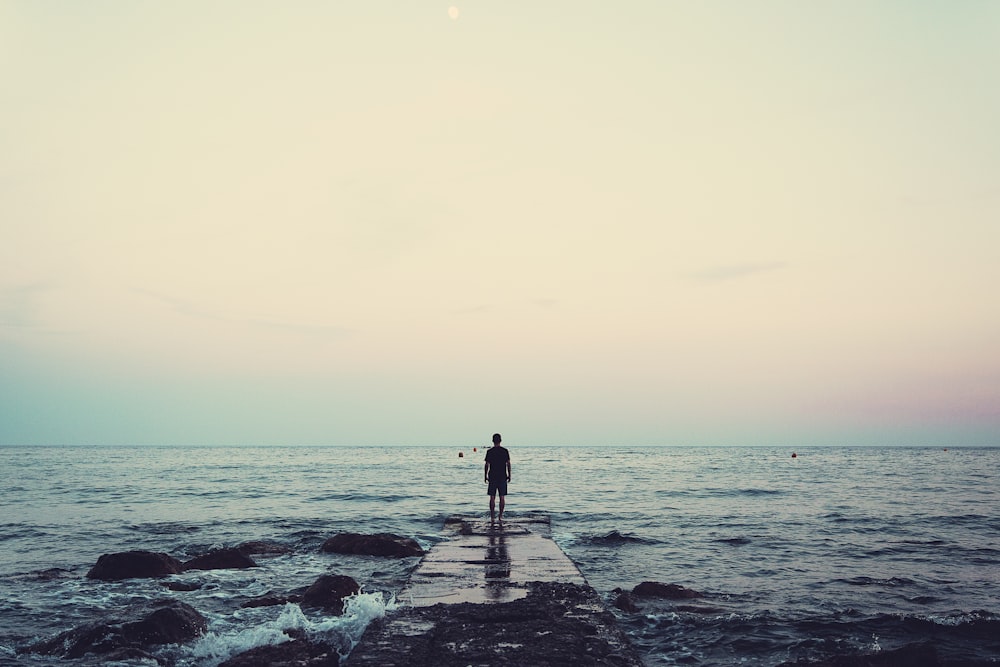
(496, 594)
(486, 562)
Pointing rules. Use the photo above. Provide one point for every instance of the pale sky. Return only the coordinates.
(572, 222)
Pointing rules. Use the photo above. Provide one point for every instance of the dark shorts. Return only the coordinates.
(498, 487)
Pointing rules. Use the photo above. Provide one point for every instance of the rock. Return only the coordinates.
(294, 653)
(257, 547)
(51, 574)
(136, 628)
(625, 602)
(134, 564)
(382, 544)
(268, 600)
(129, 656)
(654, 589)
(699, 609)
(328, 592)
(182, 586)
(221, 559)
(555, 624)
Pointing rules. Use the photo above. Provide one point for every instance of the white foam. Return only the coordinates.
(226, 639)
(362, 609)
(216, 646)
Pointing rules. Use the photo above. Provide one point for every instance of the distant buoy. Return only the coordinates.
(474, 449)
(794, 455)
(460, 455)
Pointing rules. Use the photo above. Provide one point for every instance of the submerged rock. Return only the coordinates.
(269, 600)
(221, 559)
(654, 589)
(135, 628)
(381, 544)
(182, 586)
(261, 548)
(51, 574)
(623, 600)
(328, 592)
(133, 565)
(294, 653)
(699, 609)
(626, 600)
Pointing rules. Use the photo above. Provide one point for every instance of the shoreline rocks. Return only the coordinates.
(293, 653)
(150, 565)
(133, 633)
(555, 624)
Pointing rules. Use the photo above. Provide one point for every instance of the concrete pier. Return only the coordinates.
(496, 594)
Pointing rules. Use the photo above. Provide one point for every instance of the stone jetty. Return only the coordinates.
(496, 594)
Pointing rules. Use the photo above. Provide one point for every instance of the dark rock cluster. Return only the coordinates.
(147, 564)
(130, 633)
(555, 624)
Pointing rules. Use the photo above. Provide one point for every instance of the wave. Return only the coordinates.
(873, 581)
(224, 640)
(744, 493)
(362, 497)
(844, 639)
(167, 528)
(13, 531)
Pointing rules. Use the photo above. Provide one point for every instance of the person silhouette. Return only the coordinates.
(496, 473)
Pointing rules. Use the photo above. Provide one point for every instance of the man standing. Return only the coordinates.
(496, 473)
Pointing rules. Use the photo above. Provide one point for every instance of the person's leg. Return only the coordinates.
(493, 499)
(501, 507)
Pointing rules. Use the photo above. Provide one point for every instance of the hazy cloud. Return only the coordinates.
(736, 271)
(194, 310)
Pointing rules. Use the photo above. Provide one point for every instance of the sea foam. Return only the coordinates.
(344, 631)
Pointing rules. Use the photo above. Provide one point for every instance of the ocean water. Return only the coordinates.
(835, 552)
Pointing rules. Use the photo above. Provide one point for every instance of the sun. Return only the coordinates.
(453, 12)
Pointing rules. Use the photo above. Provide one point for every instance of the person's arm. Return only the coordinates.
(486, 472)
(508, 470)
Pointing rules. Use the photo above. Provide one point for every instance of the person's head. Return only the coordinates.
(496, 438)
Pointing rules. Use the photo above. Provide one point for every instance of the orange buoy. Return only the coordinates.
(794, 455)
(474, 449)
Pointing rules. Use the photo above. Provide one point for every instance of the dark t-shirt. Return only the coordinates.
(497, 457)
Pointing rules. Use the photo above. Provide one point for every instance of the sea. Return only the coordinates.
(801, 555)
